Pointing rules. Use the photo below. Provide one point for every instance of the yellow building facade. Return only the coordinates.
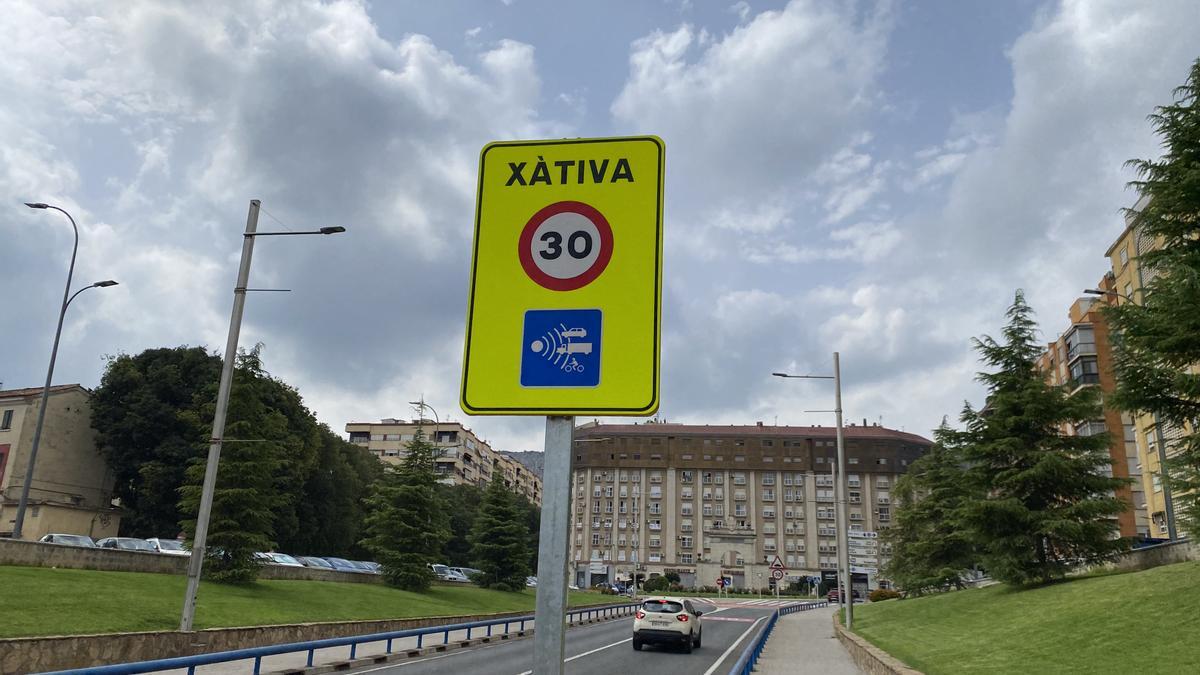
(71, 491)
(1128, 278)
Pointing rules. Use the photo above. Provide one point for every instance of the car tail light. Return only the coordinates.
(681, 617)
(640, 614)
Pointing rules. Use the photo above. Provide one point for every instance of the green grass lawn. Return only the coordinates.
(1139, 622)
(45, 601)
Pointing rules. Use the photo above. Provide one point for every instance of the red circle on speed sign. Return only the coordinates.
(565, 246)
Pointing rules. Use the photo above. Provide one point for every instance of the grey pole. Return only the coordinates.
(37, 431)
(842, 536)
(196, 563)
(549, 638)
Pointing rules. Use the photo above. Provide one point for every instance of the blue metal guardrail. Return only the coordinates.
(749, 657)
(257, 653)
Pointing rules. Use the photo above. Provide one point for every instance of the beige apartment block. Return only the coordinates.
(706, 501)
(1127, 279)
(1082, 358)
(463, 458)
(71, 492)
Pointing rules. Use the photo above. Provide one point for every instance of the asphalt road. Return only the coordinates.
(603, 648)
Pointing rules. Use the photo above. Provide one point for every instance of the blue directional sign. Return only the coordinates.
(561, 348)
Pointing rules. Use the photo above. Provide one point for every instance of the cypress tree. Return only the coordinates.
(1157, 338)
(406, 525)
(1045, 499)
(931, 548)
(500, 540)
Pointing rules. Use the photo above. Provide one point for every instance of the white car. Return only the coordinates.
(169, 546)
(667, 621)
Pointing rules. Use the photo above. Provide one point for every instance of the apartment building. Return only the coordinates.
(1128, 278)
(463, 458)
(1082, 358)
(72, 485)
(710, 501)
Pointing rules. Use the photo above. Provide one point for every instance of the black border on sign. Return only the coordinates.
(652, 405)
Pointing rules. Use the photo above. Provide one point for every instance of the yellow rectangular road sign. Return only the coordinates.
(564, 311)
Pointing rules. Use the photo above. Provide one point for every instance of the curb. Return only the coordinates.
(868, 657)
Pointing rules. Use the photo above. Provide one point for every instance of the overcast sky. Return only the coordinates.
(875, 178)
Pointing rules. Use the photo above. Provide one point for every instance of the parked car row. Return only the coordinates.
(152, 545)
(177, 547)
(456, 574)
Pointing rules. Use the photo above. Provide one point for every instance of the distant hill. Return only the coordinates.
(531, 459)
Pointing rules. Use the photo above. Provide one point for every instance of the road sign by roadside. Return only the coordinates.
(720, 582)
(563, 316)
(855, 534)
(777, 564)
(863, 570)
(777, 575)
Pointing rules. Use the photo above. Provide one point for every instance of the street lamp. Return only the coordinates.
(196, 563)
(436, 420)
(839, 488)
(1168, 499)
(19, 522)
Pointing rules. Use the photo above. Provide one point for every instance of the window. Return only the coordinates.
(1123, 254)
(739, 479)
(685, 558)
(685, 542)
(768, 479)
(596, 539)
(1085, 371)
(885, 513)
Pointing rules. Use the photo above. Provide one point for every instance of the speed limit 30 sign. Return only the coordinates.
(563, 316)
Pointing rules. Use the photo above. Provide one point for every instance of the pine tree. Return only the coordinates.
(500, 540)
(246, 494)
(1158, 338)
(931, 548)
(406, 525)
(1046, 500)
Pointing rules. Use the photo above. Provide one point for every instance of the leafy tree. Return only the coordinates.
(672, 576)
(930, 546)
(1158, 339)
(1045, 500)
(406, 523)
(246, 496)
(153, 414)
(330, 509)
(500, 540)
(144, 430)
(656, 585)
(462, 506)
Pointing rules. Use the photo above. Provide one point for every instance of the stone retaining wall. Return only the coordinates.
(39, 654)
(1155, 556)
(37, 554)
(868, 657)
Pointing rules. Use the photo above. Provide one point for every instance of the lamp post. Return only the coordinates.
(437, 422)
(19, 522)
(196, 563)
(1168, 499)
(840, 490)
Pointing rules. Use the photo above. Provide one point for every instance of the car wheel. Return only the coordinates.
(687, 645)
(698, 636)
(637, 645)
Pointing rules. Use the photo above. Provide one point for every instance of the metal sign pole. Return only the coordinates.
(840, 490)
(549, 638)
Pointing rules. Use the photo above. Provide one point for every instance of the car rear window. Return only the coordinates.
(662, 606)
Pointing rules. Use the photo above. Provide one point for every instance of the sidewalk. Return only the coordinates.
(804, 643)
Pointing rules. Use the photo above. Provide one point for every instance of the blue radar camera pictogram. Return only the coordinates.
(561, 348)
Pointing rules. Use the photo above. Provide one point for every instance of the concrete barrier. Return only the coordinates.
(39, 654)
(37, 554)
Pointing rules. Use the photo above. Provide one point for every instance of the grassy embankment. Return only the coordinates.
(1139, 622)
(45, 601)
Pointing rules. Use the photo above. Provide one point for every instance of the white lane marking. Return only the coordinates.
(580, 656)
(712, 669)
(621, 642)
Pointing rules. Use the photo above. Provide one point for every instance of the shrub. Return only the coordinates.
(656, 585)
(882, 594)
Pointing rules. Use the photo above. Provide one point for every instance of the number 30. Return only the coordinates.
(579, 245)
